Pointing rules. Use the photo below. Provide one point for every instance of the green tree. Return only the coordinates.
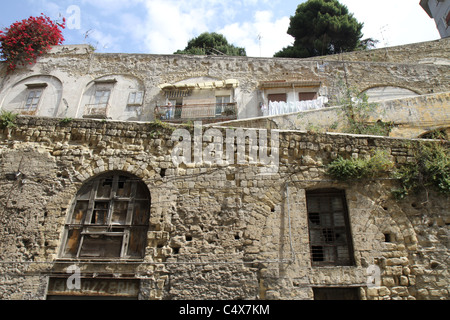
(323, 27)
(211, 44)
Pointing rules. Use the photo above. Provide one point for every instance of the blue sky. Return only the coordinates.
(164, 26)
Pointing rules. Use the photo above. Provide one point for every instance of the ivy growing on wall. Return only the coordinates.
(429, 169)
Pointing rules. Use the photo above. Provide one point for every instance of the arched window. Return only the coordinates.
(108, 219)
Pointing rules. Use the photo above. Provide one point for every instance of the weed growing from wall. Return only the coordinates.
(158, 128)
(357, 111)
(429, 170)
(7, 119)
(349, 169)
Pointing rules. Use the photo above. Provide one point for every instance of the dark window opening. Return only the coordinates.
(306, 96)
(329, 228)
(278, 97)
(387, 237)
(336, 294)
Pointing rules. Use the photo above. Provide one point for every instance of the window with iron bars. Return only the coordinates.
(329, 228)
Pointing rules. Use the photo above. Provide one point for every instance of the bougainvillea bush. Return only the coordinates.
(24, 41)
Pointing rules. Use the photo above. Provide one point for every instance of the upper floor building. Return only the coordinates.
(439, 10)
(74, 82)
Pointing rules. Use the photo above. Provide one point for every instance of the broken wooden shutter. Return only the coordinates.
(109, 219)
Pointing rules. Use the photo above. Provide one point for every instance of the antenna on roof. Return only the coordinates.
(385, 42)
(382, 30)
(259, 40)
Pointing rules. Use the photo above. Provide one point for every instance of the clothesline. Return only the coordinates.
(279, 107)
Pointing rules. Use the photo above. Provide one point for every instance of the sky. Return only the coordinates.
(165, 26)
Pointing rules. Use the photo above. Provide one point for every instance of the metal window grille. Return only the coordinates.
(329, 230)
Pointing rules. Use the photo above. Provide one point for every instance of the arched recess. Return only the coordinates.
(387, 92)
(438, 133)
(37, 95)
(114, 96)
(108, 219)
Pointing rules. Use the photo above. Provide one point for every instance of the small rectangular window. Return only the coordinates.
(306, 96)
(278, 97)
(336, 293)
(101, 97)
(222, 103)
(135, 98)
(329, 232)
(34, 96)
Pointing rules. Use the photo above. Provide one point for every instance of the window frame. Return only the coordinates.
(324, 231)
(33, 88)
(222, 102)
(83, 226)
(132, 99)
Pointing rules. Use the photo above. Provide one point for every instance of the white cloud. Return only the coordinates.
(393, 22)
(171, 24)
(264, 36)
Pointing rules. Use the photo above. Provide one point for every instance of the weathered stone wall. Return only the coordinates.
(216, 232)
(431, 52)
(76, 67)
(412, 117)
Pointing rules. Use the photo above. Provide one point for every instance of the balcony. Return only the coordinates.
(208, 113)
(96, 111)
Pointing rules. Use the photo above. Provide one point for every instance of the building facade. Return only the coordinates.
(179, 89)
(439, 10)
(100, 200)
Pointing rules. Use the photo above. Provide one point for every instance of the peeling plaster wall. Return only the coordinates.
(76, 66)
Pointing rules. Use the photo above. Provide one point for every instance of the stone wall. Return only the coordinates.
(75, 68)
(412, 117)
(429, 52)
(216, 232)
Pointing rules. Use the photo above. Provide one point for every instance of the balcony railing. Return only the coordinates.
(96, 110)
(205, 112)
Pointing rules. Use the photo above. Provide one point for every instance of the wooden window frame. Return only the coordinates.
(329, 228)
(31, 95)
(97, 221)
(133, 99)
